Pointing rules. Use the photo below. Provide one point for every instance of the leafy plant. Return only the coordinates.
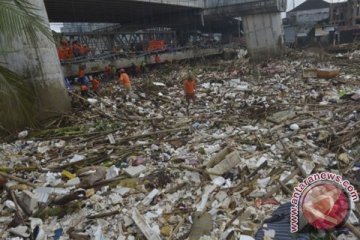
(16, 101)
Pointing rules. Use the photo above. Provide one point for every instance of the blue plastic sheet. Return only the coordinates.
(280, 222)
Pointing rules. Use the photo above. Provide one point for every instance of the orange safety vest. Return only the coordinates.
(125, 80)
(60, 53)
(83, 88)
(95, 84)
(189, 86)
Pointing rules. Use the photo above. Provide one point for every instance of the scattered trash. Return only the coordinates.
(90, 175)
(327, 73)
(202, 225)
(10, 204)
(309, 73)
(148, 199)
(112, 172)
(111, 139)
(76, 158)
(21, 231)
(23, 134)
(92, 101)
(29, 202)
(294, 127)
(151, 168)
(135, 171)
(226, 164)
(144, 226)
(58, 233)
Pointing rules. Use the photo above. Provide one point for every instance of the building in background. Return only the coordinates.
(309, 13)
(339, 14)
(307, 23)
(345, 17)
(354, 9)
(345, 13)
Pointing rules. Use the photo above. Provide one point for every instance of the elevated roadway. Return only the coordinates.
(261, 18)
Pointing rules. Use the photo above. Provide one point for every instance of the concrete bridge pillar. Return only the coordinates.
(261, 22)
(264, 34)
(40, 65)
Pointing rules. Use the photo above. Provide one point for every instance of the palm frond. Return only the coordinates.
(16, 101)
(19, 18)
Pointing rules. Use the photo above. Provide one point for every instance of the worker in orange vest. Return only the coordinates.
(83, 81)
(95, 84)
(190, 89)
(84, 50)
(67, 50)
(157, 59)
(60, 52)
(108, 73)
(76, 48)
(124, 80)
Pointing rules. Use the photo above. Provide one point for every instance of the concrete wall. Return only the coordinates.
(41, 66)
(289, 34)
(264, 34)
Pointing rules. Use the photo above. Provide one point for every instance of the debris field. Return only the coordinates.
(149, 168)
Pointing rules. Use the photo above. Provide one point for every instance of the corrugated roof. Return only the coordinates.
(311, 4)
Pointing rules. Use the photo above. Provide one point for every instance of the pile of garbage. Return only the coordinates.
(151, 168)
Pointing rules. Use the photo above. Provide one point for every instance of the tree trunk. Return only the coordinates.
(40, 65)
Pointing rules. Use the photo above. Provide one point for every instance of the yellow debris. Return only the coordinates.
(89, 192)
(165, 231)
(68, 174)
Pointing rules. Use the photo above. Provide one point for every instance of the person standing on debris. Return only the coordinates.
(107, 73)
(95, 84)
(124, 79)
(190, 89)
(157, 59)
(83, 81)
(133, 70)
(76, 48)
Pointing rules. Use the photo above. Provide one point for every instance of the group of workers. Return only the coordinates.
(67, 50)
(84, 82)
(189, 84)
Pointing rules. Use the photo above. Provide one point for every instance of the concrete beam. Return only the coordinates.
(71, 70)
(183, 3)
(237, 8)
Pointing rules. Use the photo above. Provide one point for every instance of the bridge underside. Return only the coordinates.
(113, 11)
(263, 29)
